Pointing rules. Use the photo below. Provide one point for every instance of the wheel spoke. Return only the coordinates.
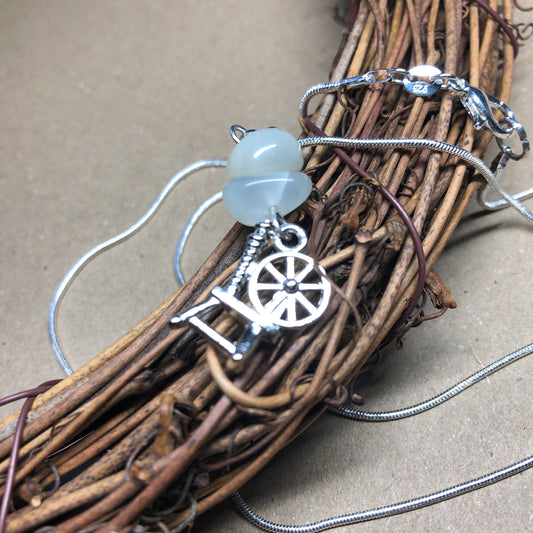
(269, 286)
(291, 307)
(273, 305)
(306, 303)
(280, 308)
(311, 287)
(290, 267)
(275, 273)
(302, 275)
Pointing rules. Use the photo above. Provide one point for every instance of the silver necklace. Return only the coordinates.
(420, 81)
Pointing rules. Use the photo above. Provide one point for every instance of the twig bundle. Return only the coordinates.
(145, 432)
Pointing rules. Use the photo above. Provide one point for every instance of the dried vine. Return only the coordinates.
(144, 432)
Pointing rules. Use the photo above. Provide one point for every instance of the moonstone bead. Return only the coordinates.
(249, 199)
(264, 166)
(265, 152)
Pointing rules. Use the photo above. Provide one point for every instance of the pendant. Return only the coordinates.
(283, 288)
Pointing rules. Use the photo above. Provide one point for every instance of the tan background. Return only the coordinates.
(101, 103)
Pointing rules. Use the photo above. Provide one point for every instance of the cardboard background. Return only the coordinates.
(102, 103)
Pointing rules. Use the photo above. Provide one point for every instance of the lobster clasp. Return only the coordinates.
(479, 106)
(508, 131)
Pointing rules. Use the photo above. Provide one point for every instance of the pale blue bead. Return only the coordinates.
(249, 199)
(265, 152)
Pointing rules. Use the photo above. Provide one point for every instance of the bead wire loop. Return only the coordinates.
(238, 132)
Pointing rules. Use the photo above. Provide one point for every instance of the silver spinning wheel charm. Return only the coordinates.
(285, 289)
(289, 288)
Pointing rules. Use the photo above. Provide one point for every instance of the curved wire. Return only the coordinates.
(187, 231)
(387, 510)
(456, 490)
(360, 415)
(9, 483)
(432, 144)
(113, 241)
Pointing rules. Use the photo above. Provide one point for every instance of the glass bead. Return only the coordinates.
(264, 152)
(249, 199)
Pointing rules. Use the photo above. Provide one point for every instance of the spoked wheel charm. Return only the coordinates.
(289, 288)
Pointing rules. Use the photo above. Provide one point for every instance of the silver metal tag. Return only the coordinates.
(420, 88)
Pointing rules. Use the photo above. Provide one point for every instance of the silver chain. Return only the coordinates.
(385, 416)
(415, 503)
(465, 155)
(110, 243)
(426, 80)
(387, 510)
